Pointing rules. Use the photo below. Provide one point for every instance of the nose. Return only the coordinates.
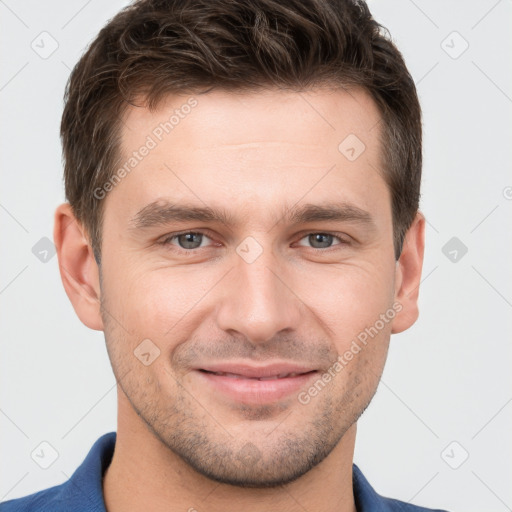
(258, 301)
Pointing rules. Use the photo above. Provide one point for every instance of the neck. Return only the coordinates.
(145, 475)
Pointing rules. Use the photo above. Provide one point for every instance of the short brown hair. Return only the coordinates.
(155, 47)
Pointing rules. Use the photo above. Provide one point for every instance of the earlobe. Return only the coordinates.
(408, 275)
(78, 268)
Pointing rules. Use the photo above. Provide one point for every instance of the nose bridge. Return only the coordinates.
(257, 302)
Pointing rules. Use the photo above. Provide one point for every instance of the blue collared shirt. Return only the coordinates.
(83, 491)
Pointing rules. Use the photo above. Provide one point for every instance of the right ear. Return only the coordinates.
(78, 268)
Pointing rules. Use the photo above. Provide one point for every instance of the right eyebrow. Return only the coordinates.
(159, 213)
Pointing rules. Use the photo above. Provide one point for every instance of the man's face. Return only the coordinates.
(259, 288)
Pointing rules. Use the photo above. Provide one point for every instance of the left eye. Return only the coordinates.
(191, 240)
(324, 240)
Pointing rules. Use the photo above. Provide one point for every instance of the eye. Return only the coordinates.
(323, 240)
(189, 240)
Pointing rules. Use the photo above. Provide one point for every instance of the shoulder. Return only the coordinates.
(390, 504)
(368, 500)
(82, 492)
(41, 501)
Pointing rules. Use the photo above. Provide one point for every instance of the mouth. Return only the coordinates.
(271, 377)
(256, 385)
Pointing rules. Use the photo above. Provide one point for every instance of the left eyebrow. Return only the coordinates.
(338, 212)
(160, 213)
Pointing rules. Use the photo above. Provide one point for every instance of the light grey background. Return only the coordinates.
(448, 379)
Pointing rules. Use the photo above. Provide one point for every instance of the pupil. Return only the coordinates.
(318, 238)
(188, 238)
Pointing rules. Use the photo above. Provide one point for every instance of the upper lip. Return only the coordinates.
(250, 371)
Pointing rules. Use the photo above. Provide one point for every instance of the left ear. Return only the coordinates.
(408, 275)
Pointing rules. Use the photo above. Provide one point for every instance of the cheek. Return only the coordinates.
(348, 298)
(157, 302)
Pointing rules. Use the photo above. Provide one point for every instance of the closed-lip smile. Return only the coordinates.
(263, 384)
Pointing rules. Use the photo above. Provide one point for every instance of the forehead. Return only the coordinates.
(234, 118)
(251, 149)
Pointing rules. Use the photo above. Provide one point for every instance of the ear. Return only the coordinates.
(408, 275)
(78, 268)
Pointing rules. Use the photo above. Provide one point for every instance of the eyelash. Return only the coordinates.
(167, 241)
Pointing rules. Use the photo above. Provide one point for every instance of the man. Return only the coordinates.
(243, 182)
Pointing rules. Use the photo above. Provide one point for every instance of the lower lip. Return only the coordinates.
(256, 391)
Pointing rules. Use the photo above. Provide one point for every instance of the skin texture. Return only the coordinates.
(181, 443)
